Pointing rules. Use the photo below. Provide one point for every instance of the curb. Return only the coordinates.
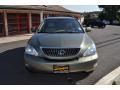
(109, 78)
(13, 41)
(5, 46)
(6, 40)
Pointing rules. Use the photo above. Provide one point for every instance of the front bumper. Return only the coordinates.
(81, 64)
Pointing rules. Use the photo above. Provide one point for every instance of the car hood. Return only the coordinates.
(68, 40)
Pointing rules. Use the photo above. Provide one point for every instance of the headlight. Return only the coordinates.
(30, 50)
(90, 51)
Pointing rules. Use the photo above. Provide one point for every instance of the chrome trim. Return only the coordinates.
(60, 58)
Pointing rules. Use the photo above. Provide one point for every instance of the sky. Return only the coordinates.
(82, 8)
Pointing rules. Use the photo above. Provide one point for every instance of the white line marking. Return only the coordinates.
(109, 78)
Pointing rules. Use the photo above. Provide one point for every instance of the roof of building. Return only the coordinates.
(38, 7)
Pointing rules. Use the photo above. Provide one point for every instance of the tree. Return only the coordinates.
(88, 16)
(109, 12)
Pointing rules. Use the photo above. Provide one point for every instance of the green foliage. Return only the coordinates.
(110, 12)
(87, 15)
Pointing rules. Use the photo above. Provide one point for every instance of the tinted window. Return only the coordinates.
(61, 26)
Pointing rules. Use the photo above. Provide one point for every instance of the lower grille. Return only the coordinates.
(60, 52)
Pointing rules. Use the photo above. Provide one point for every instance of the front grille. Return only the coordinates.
(61, 52)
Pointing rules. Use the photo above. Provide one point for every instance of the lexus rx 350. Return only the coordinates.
(60, 45)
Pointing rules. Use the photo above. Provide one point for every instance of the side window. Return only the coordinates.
(77, 24)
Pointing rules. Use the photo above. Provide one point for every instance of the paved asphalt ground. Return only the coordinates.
(12, 70)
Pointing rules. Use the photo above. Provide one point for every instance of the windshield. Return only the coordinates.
(61, 26)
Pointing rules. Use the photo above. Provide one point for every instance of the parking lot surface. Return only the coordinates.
(13, 70)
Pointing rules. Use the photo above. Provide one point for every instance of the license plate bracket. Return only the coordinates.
(61, 68)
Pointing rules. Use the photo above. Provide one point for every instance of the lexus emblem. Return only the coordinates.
(61, 52)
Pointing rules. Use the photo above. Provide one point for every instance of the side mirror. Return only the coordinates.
(88, 29)
(33, 29)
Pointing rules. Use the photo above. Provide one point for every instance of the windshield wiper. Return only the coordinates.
(60, 31)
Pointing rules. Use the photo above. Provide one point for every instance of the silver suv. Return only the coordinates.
(60, 45)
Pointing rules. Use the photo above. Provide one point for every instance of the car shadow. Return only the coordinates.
(13, 72)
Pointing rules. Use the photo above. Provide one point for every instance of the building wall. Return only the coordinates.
(13, 22)
(2, 29)
(18, 23)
